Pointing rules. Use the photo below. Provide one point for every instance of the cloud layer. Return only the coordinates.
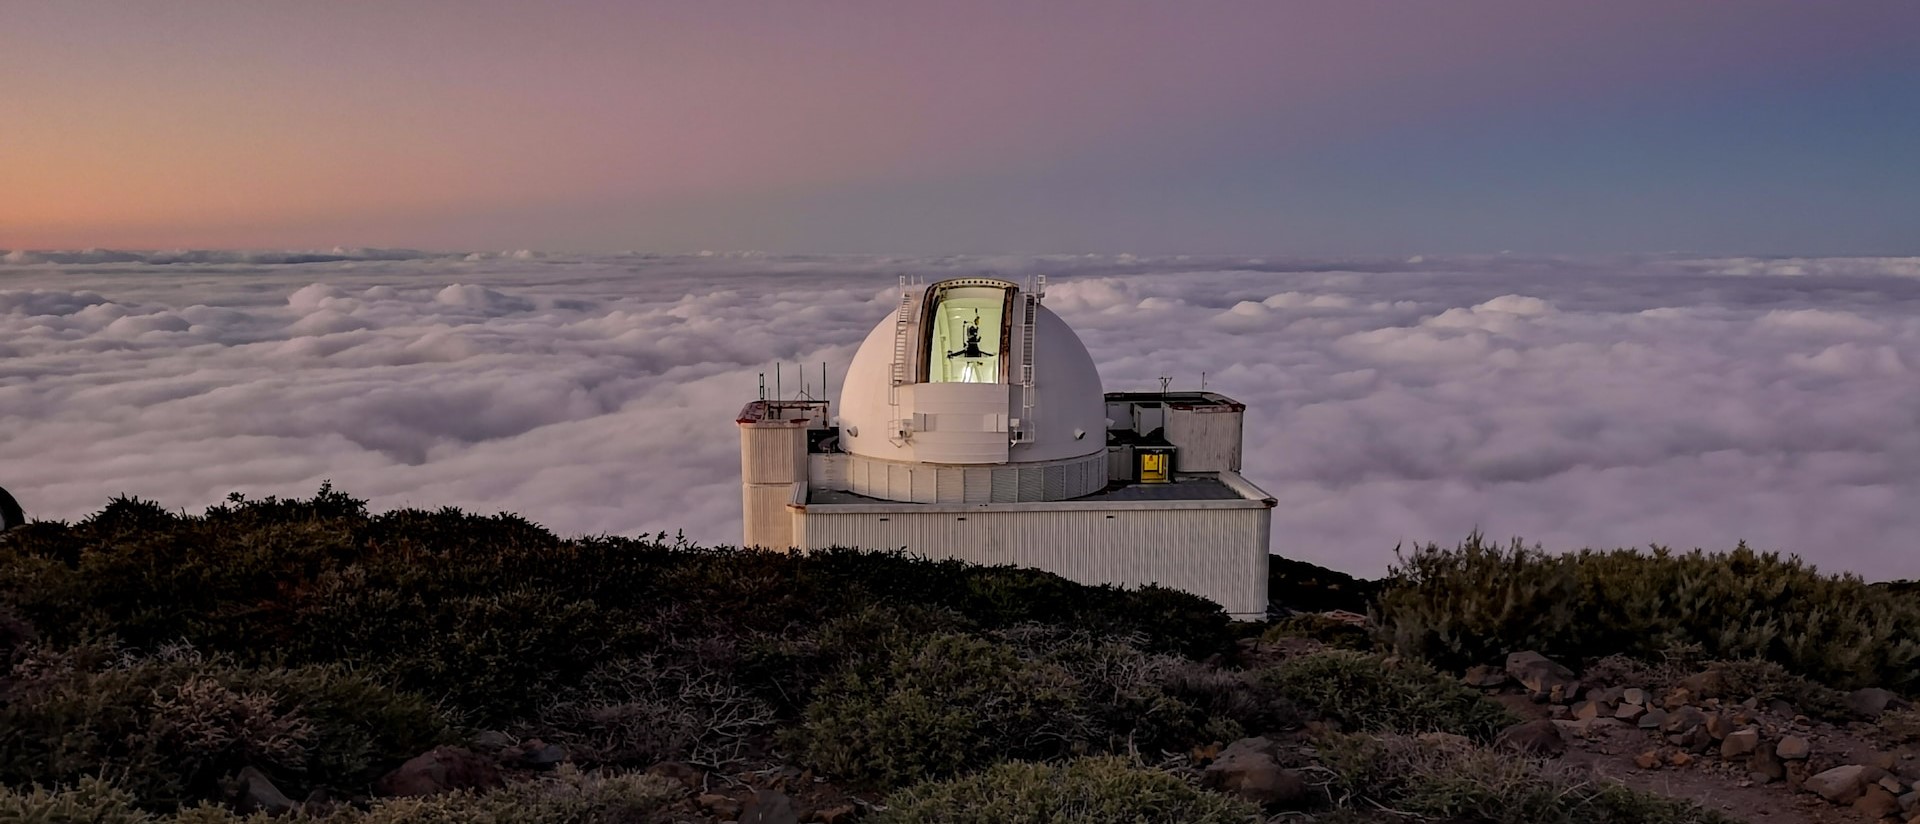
(1576, 402)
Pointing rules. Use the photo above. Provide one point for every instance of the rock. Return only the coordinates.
(1649, 760)
(1779, 706)
(1739, 743)
(835, 815)
(1680, 759)
(1653, 719)
(1709, 684)
(1635, 696)
(1876, 803)
(257, 793)
(1248, 768)
(1630, 712)
(1484, 677)
(1910, 801)
(534, 754)
(1720, 725)
(1679, 697)
(1891, 784)
(1539, 737)
(440, 770)
(1541, 676)
(1871, 702)
(1840, 785)
(1589, 709)
(769, 807)
(721, 806)
(1793, 748)
(1683, 720)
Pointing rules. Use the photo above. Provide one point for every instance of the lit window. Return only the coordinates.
(968, 339)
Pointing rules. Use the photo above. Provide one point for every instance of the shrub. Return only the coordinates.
(1082, 791)
(950, 704)
(1477, 602)
(1329, 631)
(1366, 692)
(569, 796)
(1429, 783)
(168, 727)
(638, 711)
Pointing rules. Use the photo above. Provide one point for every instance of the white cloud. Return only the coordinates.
(1574, 402)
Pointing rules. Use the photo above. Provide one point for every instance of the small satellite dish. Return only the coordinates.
(10, 514)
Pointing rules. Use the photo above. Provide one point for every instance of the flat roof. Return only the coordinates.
(1183, 488)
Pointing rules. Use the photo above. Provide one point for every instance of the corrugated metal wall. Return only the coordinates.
(1218, 553)
(773, 457)
(1207, 437)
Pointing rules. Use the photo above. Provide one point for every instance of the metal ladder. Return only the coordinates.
(1030, 315)
(902, 343)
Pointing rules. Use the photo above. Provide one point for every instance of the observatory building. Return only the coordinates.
(972, 425)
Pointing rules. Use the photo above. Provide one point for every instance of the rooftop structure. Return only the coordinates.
(972, 425)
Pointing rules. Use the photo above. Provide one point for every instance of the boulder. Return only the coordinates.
(1635, 696)
(1872, 702)
(1248, 768)
(769, 807)
(1876, 803)
(257, 793)
(1630, 713)
(1589, 709)
(1539, 737)
(1683, 720)
(1766, 761)
(1542, 677)
(1840, 785)
(534, 754)
(1654, 719)
(1739, 743)
(1793, 748)
(440, 770)
(1484, 677)
(1720, 725)
(1910, 801)
(722, 806)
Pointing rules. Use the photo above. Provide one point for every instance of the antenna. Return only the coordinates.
(1165, 381)
(1203, 381)
(763, 386)
(823, 381)
(777, 394)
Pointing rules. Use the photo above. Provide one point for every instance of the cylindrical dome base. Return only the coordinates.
(1001, 483)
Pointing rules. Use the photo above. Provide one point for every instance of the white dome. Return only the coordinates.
(956, 393)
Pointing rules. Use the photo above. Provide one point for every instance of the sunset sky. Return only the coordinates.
(1337, 127)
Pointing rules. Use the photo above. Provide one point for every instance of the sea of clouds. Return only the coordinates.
(1575, 402)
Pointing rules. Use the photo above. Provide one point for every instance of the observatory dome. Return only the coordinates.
(973, 373)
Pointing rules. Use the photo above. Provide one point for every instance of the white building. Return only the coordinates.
(972, 425)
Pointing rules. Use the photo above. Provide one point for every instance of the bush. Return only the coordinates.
(569, 796)
(639, 711)
(950, 704)
(1366, 692)
(1081, 791)
(1329, 631)
(168, 727)
(1477, 602)
(1479, 785)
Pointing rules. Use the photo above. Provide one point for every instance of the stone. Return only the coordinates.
(1871, 702)
(1793, 748)
(257, 793)
(1649, 760)
(1840, 785)
(1683, 720)
(1630, 712)
(722, 806)
(1779, 706)
(769, 807)
(1709, 684)
(1248, 768)
(1635, 696)
(1680, 759)
(1589, 709)
(1679, 697)
(440, 770)
(1910, 801)
(1541, 675)
(1739, 743)
(1485, 677)
(534, 754)
(1539, 737)
(1876, 803)
(1891, 784)
(1720, 725)
(689, 776)
(1653, 719)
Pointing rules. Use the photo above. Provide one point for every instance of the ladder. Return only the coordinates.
(902, 343)
(1030, 314)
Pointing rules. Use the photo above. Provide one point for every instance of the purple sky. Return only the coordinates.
(1303, 127)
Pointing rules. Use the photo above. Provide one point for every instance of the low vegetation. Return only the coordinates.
(147, 658)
